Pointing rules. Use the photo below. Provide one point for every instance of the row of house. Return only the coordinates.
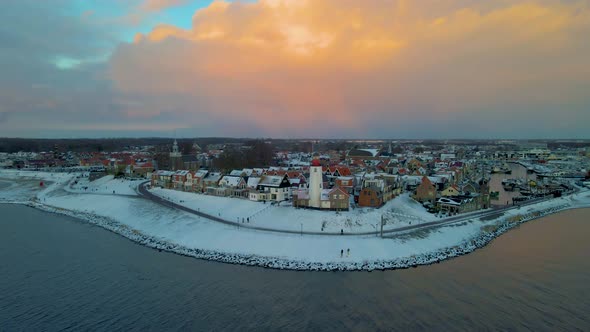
(454, 198)
(264, 188)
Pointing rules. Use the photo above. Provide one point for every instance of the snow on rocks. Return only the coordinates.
(427, 258)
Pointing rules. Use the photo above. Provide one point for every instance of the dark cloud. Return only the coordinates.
(35, 92)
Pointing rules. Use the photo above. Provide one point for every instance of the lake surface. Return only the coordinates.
(57, 273)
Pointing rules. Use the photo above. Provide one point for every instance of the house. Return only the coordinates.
(426, 191)
(179, 178)
(211, 180)
(142, 168)
(237, 172)
(162, 179)
(258, 196)
(198, 177)
(336, 199)
(339, 199)
(277, 188)
(252, 182)
(370, 197)
(188, 183)
(457, 204)
(338, 171)
(234, 186)
(296, 182)
(232, 182)
(451, 191)
(345, 182)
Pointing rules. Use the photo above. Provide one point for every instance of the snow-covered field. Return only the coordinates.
(399, 212)
(165, 228)
(105, 185)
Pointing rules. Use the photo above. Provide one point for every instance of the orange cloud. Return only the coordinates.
(157, 5)
(281, 66)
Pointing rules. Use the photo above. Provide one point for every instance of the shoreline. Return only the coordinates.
(463, 248)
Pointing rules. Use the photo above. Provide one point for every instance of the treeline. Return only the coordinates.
(250, 155)
(12, 145)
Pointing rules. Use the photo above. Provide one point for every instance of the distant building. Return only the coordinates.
(175, 158)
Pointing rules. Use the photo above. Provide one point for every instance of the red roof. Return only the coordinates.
(426, 181)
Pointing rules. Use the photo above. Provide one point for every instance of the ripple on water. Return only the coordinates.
(58, 273)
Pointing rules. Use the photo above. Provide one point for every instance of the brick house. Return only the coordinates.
(345, 182)
(336, 199)
(370, 197)
(179, 178)
(426, 191)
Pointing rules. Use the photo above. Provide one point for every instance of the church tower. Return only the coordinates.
(175, 157)
(316, 182)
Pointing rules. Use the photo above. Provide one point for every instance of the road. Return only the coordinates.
(144, 192)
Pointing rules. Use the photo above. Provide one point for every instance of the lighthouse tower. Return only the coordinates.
(315, 182)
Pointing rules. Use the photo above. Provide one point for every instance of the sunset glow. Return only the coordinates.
(322, 68)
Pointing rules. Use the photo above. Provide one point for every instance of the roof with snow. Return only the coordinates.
(201, 173)
(164, 173)
(271, 180)
(236, 172)
(253, 181)
(231, 181)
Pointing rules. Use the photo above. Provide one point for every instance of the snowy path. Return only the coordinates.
(386, 232)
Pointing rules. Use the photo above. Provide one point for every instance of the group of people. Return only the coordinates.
(347, 252)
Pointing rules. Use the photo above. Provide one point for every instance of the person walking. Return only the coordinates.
(341, 252)
(347, 252)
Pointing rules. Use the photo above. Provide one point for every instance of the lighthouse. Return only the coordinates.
(315, 182)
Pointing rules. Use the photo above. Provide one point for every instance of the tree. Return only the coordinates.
(397, 149)
(261, 154)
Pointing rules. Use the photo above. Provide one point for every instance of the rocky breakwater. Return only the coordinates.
(488, 234)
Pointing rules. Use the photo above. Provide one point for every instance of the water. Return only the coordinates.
(57, 273)
(4, 184)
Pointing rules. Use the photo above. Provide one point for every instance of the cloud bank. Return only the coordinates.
(348, 68)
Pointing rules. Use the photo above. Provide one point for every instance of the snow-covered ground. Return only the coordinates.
(399, 212)
(170, 229)
(105, 185)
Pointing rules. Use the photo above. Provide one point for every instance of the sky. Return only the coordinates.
(295, 68)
